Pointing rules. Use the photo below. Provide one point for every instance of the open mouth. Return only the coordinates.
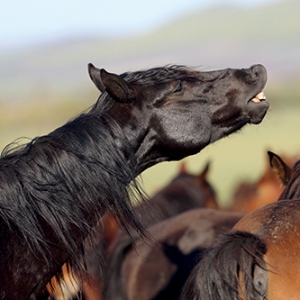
(259, 98)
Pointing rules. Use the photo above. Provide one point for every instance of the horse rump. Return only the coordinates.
(232, 268)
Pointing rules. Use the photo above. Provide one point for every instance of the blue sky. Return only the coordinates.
(32, 21)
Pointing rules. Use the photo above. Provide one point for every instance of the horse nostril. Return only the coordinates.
(256, 70)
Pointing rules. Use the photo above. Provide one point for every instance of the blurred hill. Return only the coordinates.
(217, 37)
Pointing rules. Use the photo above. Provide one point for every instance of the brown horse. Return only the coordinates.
(259, 259)
(252, 195)
(56, 188)
(184, 192)
(158, 268)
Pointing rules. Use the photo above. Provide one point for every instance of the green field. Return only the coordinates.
(237, 157)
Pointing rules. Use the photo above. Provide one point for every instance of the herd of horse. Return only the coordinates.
(68, 225)
(185, 227)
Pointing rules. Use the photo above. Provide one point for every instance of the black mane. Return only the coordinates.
(231, 258)
(78, 163)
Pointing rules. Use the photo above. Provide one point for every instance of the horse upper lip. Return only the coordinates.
(259, 97)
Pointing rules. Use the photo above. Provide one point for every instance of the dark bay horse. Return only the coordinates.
(184, 192)
(55, 188)
(157, 269)
(259, 259)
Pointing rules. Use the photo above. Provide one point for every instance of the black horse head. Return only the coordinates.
(169, 113)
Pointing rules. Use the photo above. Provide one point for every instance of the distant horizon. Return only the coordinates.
(30, 23)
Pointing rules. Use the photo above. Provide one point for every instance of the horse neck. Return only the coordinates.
(63, 183)
(106, 161)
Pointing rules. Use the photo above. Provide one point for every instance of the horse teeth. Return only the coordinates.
(259, 97)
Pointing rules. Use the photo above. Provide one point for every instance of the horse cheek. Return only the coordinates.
(188, 135)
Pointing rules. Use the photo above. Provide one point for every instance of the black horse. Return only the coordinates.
(55, 188)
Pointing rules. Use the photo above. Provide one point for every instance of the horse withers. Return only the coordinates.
(55, 188)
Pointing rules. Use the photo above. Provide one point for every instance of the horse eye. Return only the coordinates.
(178, 88)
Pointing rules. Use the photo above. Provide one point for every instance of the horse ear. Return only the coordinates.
(205, 171)
(113, 84)
(182, 168)
(117, 87)
(96, 78)
(280, 168)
